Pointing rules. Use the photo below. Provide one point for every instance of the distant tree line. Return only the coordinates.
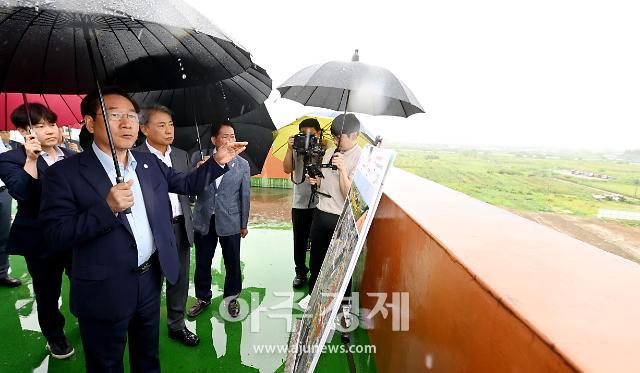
(632, 155)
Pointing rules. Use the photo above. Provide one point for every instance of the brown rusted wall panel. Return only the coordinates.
(455, 323)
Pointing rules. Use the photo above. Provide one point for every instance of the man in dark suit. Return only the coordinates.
(157, 126)
(67, 142)
(8, 143)
(118, 255)
(221, 213)
(21, 169)
(5, 227)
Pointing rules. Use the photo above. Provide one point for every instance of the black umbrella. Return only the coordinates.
(351, 86)
(255, 127)
(71, 46)
(140, 45)
(212, 103)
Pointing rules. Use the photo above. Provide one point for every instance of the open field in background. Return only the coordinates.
(525, 181)
(533, 184)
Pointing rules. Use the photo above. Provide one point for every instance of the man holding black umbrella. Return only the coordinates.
(334, 188)
(22, 170)
(121, 235)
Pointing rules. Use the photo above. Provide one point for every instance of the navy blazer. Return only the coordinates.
(180, 162)
(76, 213)
(25, 237)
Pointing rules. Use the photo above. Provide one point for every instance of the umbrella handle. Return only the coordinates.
(195, 121)
(26, 108)
(103, 108)
(120, 180)
(344, 117)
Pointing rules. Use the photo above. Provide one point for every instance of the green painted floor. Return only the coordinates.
(225, 346)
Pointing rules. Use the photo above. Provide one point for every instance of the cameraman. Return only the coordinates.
(303, 204)
(333, 189)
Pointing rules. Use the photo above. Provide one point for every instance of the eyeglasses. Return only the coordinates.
(115, 116)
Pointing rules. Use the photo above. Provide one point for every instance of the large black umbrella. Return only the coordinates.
(72, 46)
(255, 127)
(141, 45)
(351, 86)
(212, 103)
(215, 102)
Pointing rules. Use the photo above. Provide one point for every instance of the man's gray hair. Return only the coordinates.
(146, 112)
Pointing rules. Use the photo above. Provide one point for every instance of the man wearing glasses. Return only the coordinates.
(221, 214)
(121, 234)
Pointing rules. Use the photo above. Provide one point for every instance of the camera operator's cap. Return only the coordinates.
(351, 124)
(309, 122)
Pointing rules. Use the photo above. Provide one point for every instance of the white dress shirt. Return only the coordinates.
(138, 219)
(176, 209)
(47, 157)
(219, 179)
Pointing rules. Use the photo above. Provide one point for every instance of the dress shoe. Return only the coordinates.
(10, 282)
(185, 336)
(198, 307)
(60, 348)
(299, 281)
(234, 308)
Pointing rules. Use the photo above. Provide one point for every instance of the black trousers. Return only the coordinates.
(322, 229)
(5, 226)
(301, 220)
(177, 293)
(205, 250)
(46, 274)
(104, 340)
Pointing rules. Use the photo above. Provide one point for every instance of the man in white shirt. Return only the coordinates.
(156, 124)
(334, 188)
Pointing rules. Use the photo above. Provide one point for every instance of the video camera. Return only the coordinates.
(307, 144)
(310, 146)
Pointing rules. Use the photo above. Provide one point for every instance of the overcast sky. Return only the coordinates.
(535, 73)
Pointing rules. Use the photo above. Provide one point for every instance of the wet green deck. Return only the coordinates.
(225, 346)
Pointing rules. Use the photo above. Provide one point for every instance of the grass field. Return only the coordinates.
(526, 181)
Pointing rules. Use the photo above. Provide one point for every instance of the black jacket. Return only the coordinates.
(26, 236)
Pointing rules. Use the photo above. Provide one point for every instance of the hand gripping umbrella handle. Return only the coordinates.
(26, 108)
(119, 180)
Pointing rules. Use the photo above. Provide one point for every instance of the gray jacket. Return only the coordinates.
(229, 202)
(179, 162)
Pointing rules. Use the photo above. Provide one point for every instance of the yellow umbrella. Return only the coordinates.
(282, 135)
